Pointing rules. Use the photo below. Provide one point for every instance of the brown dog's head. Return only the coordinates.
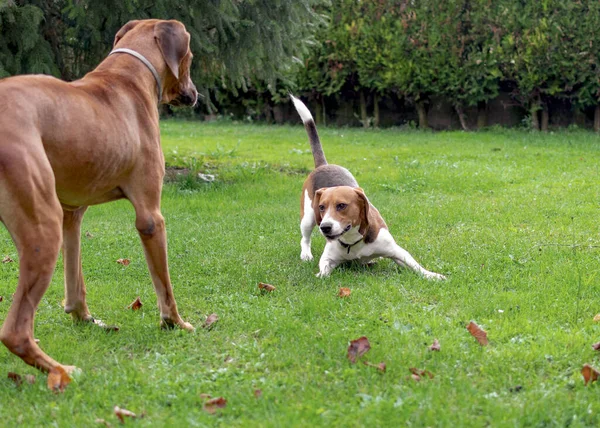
(339, 209)
(172, 58)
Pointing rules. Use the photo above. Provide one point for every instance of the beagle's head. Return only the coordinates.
(339, 209)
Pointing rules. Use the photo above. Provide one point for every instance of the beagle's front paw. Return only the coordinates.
(306, 256)
(434, 276)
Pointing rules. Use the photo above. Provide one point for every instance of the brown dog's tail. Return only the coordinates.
(311, 129)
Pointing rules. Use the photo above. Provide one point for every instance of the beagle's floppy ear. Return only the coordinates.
(124, 29)
(315, 205)
(364, 210)
(173, 42)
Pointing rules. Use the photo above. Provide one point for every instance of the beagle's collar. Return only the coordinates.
(146, 63)
(348, 246)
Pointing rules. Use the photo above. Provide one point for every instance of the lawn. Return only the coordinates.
(509, 216)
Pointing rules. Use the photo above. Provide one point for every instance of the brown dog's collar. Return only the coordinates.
(146, 63)
(348, 246)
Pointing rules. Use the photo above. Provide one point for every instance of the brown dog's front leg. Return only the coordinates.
(151, 227)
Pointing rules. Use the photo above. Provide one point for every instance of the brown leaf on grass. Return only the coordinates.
(418, 374)
(124, 262)
(266, 287)
(227, 359)
(596, 346)
(381, 366)
(205, 396)
(7, 259)
(88, 235)
(1, 298)
(257, 393)
(123, 413)
(30, 379)
(211, 406)
(210, 320)
(16, 378)
(597, 318)
(136, 304)
(358, 348)
(344, 292)
(589, 374)
(435, 346)
(58, 379)
(478, 333)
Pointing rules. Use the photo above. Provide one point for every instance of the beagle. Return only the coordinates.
(353, 227)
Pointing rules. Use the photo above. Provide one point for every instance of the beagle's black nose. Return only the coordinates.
(326, 228)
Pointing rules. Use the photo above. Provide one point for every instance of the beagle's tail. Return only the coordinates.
(311, 129)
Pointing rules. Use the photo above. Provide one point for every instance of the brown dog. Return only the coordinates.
(66, 146)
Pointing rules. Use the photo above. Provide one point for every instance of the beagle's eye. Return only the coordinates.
(321, 208)
(341, 207)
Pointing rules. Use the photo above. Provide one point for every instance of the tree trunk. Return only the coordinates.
(376, 111)
(363, 110)
(323, 112)
(597, 118)
(545, 117)
(481, 115)
(422, 112)
(461, 116)
(534, 110)
(319, 113)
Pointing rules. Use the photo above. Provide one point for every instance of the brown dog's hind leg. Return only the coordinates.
(151, 227)
(32, 214)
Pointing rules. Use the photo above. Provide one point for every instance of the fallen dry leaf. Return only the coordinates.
(124, 262)
(30, 379)
(211, 406)
(16, 378)
(358, 348)
(589, 373)
(435, 346)
(58, 379)
(266, 287)
(210, 320)
(7, 259)
(1, 298)
(478, 333)
(228, 359)
(381, 366)
(123, 413)
(205, 396)
(88, 235)
(257, 393)
(418, 374)
(596, 346)
(136, 304)
(344, 292)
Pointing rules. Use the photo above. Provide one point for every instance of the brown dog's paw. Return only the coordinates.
(169, 324)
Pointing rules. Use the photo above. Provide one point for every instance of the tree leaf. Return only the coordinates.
(435, 346)
(418, 374)
(124, 262)
(478, 333)
(16, 378)
(266, 287)
(344, 292)
(358, 348)
(589, 374)
(210, 320)
(211, 406)
(123, 413)
(135, 305)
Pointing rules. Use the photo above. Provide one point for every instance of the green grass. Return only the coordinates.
(512, 218)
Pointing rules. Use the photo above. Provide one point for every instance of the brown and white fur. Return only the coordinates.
(353, 227)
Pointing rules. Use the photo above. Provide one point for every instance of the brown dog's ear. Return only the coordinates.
(315, 205)
(364, 211)
(173, 42)
(124, 29)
